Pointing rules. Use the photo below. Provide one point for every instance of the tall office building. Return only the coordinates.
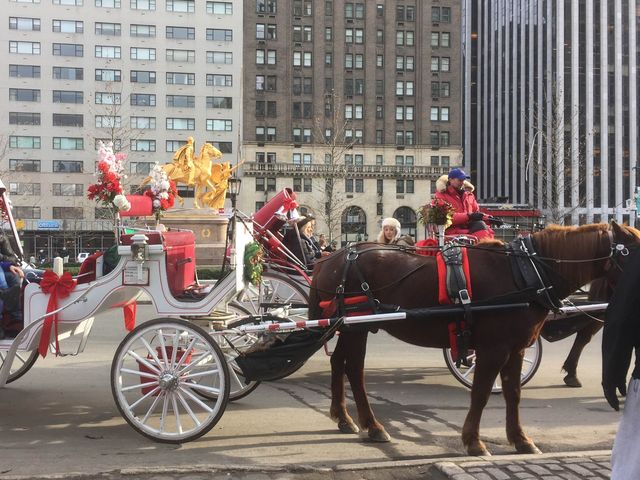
(362, 97)
(146, 74)
(551, 113)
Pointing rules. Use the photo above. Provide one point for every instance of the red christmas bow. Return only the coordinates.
(289, 204)
(57, 287)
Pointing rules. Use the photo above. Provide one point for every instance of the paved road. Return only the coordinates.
(61, 417)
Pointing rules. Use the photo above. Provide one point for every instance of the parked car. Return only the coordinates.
(82, 257)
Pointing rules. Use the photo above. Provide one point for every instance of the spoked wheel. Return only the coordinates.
(157, 375)
(278, 295)
(229, 342)
(530, 364)
(22, 362)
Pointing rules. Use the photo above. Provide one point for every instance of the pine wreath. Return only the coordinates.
(253, 263)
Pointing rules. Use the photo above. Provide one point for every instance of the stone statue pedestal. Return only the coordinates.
(210, 230)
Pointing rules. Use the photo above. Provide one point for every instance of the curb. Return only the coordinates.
(450, 467)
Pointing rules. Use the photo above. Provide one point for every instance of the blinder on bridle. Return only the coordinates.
(615, 263)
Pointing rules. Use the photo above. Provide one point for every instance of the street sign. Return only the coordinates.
(48, 225)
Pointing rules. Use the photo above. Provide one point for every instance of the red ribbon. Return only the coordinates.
(130, 316)
(57, 288)
(289, 204)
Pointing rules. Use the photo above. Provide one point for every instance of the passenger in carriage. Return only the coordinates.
(391, 234)
(468, 219)
(11, 276)
(305, 247)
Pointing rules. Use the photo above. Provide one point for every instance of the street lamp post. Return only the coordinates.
(233, 190)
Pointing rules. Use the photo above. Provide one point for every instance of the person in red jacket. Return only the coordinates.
(458, 191)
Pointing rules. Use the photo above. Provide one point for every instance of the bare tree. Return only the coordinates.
(331, 131)
(554, 178)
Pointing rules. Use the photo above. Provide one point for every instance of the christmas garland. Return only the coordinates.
(253, 263)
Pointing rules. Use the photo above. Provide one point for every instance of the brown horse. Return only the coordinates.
(499, 337)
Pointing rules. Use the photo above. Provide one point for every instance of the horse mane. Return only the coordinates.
(491, 243)
(567, 243)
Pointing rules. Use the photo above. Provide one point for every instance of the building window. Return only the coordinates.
(181, 101)
(69, 166)
(220, 8)
(178, 78)
(441, 14)
(181, 123)
(217, 80)
(219, 125)
(68, 50)
(104, 51)
(108, 75)
(107, 3)
(174, 145)
(266, 6)
(143, 99)
(26, 212)
(145, 31)
(142, 168)
(110, 29)
(117, 143)
(71, 3)
(68, 143)
(180, 33)
(68, 190)
(25, 142)
(141, 76)
(182, 56)
(224, 147)
(143, 145)
(67, 120)
(220, 34)
(26, 48)
(143, 123)
(24, 71)
(108, 121)
(137, 53)
(24, 118)
(183, 6)
(223, 58)
(21, 165)
(68, 213)
(19, 188)
(144, 4)
(68, 26)
(24, 95)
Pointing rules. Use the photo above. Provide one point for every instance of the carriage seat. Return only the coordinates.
(180, 250)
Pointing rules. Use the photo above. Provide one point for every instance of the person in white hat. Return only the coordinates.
(391, 234)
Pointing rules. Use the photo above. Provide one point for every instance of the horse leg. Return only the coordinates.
(488, 363)
(583, 337)
(338, 411)
(511, 388)
(354, 367)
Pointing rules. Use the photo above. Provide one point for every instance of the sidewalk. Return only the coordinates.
(588, 465)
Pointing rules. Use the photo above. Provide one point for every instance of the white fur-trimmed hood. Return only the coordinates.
(441, 184)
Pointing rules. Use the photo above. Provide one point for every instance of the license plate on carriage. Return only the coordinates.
(135, 275)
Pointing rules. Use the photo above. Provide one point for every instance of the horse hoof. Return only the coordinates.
(528, 448)
(572, 381)
(379, 435)
(478, 451)
(348, 427)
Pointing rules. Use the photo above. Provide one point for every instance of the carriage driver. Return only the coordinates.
(458, 191)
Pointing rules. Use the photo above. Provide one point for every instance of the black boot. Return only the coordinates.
(10, 297)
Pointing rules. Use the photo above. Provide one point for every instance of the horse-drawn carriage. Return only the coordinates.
(173, 376)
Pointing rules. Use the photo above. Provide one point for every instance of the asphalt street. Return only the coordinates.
(61, 418)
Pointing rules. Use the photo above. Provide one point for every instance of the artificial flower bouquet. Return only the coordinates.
(162, 191)
(108, 189)
(437, 212)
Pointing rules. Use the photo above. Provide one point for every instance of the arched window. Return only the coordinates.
(354, 225)
(408, 221)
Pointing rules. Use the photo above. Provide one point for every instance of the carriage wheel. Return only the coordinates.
(157, 373)
(238, 385)
(22, 363)
(530, 364)
(273, 295)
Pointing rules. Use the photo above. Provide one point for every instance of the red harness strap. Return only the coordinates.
(329, 307)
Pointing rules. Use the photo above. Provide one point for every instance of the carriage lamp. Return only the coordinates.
(138, 247)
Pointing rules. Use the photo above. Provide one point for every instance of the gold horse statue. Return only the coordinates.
(210, 180)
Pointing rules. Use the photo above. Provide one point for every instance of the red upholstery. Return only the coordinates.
(87, 271)
(264, 217)
(180, 248)
(141, 206)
